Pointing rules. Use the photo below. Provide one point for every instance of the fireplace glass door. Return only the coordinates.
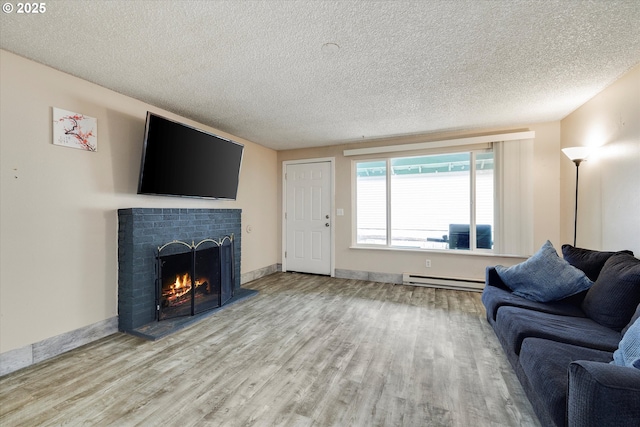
(175, 285)
(207, 272)
(193, 281)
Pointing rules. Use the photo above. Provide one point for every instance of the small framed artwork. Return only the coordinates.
(75, 130)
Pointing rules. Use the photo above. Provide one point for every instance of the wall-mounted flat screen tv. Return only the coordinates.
(179, 160)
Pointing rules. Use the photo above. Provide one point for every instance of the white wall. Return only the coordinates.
(546, 211)
(609, 212)
(58, 219)
(609, 188)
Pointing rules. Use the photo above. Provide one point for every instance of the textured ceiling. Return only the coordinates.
(258, 69)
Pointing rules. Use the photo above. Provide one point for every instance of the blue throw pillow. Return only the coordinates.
(628, 352)
(544, 277)
(635, 317)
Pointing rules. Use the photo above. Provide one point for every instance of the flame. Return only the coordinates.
(179, 290)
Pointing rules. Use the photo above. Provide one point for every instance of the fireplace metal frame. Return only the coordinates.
(193, 247)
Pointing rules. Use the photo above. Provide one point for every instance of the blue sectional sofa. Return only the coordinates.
(562, 351)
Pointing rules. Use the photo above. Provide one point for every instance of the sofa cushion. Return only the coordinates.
(601, 394)
(587, 260)
(493, 298)
(546, 365)
(628, 351)
(514, 324)
(544, 277)
(613, 298)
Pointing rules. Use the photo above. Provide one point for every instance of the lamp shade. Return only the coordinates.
(577, 153)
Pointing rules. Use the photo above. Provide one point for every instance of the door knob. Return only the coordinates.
(327, 224)
(327, 216)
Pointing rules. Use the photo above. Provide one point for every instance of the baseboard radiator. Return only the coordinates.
(443, 282)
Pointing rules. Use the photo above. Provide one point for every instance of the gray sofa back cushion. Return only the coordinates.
(587, 260)
(615, 295)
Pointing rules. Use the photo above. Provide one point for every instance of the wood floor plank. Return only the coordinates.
(306, 351)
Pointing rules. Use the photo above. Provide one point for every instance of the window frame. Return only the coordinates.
(473, 152)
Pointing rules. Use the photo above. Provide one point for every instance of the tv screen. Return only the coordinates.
(179, 160)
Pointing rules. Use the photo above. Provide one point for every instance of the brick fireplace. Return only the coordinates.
(141, 231)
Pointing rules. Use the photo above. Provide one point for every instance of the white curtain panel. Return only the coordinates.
(514, 197)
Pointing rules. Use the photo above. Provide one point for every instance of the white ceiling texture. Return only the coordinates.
(292, 74)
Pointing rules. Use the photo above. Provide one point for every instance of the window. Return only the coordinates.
(439, 201)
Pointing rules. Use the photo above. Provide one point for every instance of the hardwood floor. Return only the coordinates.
(306, 351)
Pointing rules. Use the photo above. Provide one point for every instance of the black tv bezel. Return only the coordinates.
(211, 134)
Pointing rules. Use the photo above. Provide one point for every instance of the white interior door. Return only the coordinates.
(308, 217)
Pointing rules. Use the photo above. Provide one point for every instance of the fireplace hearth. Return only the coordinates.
(141, 232)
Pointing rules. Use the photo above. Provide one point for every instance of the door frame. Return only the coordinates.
(332, 196)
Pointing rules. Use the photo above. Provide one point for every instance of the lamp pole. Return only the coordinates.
(575, 213)
(577, 155)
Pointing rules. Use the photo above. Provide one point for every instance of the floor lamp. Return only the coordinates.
(577, 155)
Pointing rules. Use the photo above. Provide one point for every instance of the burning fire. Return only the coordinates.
(181, 287)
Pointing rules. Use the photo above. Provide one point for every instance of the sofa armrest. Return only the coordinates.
(493, 279)
(601, 394)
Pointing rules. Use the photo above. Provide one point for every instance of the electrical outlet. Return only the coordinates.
(427, 263)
